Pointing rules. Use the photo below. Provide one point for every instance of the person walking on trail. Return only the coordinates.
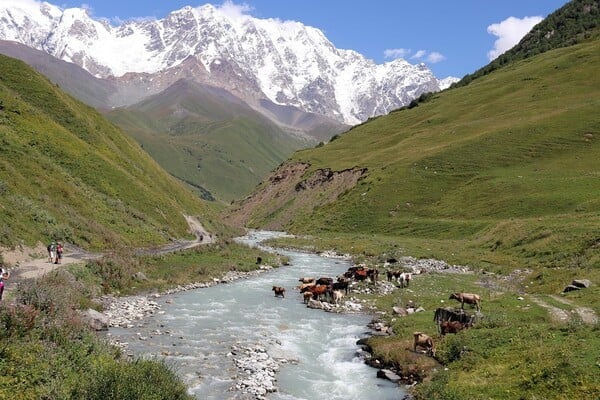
(59, 253)
(50, 258)
(52, 250)
(4, 275)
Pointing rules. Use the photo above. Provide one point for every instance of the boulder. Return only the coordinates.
(400, 311)
(570, 288)
(388, 374)
(96, 320)
(581, 283)
(139, 276)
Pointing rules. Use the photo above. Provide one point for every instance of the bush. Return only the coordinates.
(141, 379)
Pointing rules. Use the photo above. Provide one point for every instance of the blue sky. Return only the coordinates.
(453, 38)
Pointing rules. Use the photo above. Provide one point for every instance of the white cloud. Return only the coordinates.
(435, 57)
(235, 11)
(396, 53)
(509, 33)
(431, 57)
(419, 54)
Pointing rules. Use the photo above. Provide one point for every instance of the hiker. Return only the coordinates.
(59, 253)
(49, 248)
(4, 275)
(52, 252)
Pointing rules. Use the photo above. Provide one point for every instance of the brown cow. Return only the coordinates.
(424, 341)
(304, 287)
(360, 274)
(306, 280)
(373, 274)
(307, 296)
(279, 291)
(451, 327)
(319, 291)
(468, 298)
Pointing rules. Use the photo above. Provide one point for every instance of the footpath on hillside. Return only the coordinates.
(27, 268)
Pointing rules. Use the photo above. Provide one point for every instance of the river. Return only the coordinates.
(195, 332)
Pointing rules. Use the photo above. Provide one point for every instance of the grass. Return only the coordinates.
(68, 174)
(516, 351)
(123, 273)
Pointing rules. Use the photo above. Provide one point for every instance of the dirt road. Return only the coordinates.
(34, 268)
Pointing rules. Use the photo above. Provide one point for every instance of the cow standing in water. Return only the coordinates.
(279, 291)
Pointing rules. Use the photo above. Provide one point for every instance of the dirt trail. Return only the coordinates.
(35, 268)
(557, 314)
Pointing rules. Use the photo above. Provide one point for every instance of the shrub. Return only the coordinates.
(141, 379)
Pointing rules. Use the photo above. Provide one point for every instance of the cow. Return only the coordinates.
(397, 276)
(304, 287)
(373, 274)
(338, 295)
(279, 291)
(390, 275)
(451, 327)
(320, 290)
(341, 284)
(468, 298)
(307, 296)
(424, 341)
(360, 274)
(445, 314)
(324, 281)
(306, 280)
(407, 278)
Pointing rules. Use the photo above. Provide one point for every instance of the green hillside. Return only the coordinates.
(67, 173)
(502, 172)
(208, 138)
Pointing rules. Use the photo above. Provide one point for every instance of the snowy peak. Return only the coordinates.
(284, 62)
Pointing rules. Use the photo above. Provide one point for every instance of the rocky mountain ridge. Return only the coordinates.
(284, 63)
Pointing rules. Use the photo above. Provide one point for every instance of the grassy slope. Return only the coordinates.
(503, 171)
(206, 139)
(67, 173)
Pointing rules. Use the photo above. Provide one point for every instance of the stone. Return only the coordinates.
(388, 374)
(581, 283)
(571, 288)
(139, 276)
(400, 311)
(96, 320)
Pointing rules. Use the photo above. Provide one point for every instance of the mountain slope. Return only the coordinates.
(506, 166)
(68, 76)
(208, 138)
(67, 173)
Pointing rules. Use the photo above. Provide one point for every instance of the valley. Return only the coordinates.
(488, 187)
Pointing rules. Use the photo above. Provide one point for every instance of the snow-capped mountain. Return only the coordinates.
(284, 62)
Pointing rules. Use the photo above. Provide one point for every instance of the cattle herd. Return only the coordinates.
(447, 320)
